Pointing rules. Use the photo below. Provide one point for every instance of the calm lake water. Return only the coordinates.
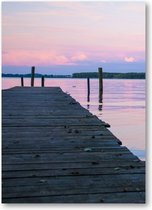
(123, 105)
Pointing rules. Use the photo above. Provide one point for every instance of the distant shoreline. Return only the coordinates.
(82, 75)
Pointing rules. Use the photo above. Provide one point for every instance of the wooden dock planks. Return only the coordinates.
(55, 151)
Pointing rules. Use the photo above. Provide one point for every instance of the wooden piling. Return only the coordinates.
(22, 81)
(100, 84)
(32, 75)
(42, 81)
(88, 89)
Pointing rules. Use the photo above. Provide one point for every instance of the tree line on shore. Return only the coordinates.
(36, 75)
(106, 75)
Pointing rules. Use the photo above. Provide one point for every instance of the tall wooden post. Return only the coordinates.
(42, 81)
(22, 81)
(88, 89)
(32, 75)
(100, 84)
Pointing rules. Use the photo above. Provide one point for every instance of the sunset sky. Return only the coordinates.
(67, 37)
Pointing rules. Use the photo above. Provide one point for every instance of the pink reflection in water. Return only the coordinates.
(129, 126)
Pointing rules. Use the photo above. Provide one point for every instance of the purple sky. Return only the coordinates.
(67, 37)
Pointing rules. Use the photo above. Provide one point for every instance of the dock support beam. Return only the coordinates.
(32, 75)
(88, 89)
(22, 81)
(42, 81)
(100, 84)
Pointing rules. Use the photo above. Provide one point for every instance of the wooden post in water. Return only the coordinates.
(22, 81)
(42, 81)
(88, 89)
(100, 84)
(32, 75)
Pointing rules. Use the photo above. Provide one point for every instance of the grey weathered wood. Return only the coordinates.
(42, 81)
(100, 84)
(88, 89)
(32, 75)
(67, 166)
(73, 171)
(48, 189)
(115, 197)
(54, 150)
(50, 122)
(70, 148)
(72, 181)
(60, 156)
(22, 81)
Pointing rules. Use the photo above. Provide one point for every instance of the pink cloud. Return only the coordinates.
(79, 57)
(22, 57)
(129, 59)
(41, 58)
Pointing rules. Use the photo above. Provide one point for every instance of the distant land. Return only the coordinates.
(106, 75)
(36, 75)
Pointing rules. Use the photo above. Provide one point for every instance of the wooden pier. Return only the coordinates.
(55, 151)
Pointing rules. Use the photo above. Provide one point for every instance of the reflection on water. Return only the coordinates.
(100, 107)
(122, 105)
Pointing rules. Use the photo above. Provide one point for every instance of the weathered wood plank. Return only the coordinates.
(60, 131)
(73, 171)
(49, 122)
(62, 139)
(73, 181)
(130, 197)
(73, 149)
(68, 165)
(57, 157)
(34, 191)
(56, 146)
